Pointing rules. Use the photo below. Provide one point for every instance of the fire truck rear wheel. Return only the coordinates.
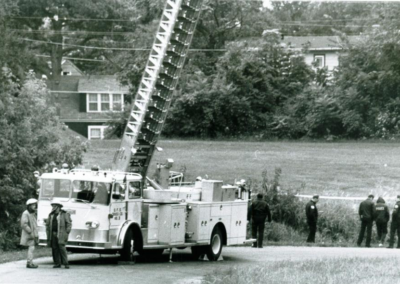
(128, 247)
(214, 250)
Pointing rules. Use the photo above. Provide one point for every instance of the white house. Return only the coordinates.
(323, 50)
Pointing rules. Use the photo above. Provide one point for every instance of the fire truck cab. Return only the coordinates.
(112, 214)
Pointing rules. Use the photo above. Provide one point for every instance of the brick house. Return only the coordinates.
(86, 103)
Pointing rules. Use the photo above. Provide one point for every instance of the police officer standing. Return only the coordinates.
(367, 213)
(312, 218)
(382, 217)
(395, 225)
(259, 212)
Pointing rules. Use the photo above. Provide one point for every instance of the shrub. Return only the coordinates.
(31, 138)
(277, 232)
(337, 222)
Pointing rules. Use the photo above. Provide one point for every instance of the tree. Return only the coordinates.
(58, 28)
(31, 137)
(240, 99)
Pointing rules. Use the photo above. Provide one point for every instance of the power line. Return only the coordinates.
(72, 58)
(108, 48)
(85, 46)
(76, 19)
(324, 25)
(70, 32)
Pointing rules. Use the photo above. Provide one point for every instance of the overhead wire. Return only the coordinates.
(105, 48)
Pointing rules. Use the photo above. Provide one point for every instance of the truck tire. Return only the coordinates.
(214, 249)
(129, 247)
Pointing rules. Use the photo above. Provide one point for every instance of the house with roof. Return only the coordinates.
(69, 69)
(86, 103)
(318, 51)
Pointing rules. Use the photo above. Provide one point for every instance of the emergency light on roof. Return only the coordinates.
(95, 169)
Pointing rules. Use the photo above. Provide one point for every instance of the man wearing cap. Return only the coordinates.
(312, 218)
(395, 225)
(366, 211)
(29, 235)
(58, 227)
(258, 213)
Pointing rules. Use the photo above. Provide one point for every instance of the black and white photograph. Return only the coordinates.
(200, 141)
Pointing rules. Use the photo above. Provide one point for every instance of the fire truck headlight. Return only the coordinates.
(95, 224)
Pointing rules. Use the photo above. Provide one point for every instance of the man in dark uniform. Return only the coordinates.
(366, 212)
(382, 217)
(395, 225)
(258, 212)
(312, 218)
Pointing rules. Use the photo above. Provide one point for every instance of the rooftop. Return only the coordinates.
(101, 83)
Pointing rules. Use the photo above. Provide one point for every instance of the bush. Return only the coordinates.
(337, 222)
(277, 232)
(31, 138)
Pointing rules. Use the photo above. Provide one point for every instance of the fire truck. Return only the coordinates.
(122, 211)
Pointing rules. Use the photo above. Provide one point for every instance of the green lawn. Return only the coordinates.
(340, 270)
(349, 168)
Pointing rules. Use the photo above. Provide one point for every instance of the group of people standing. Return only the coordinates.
(379, 212)
(369, 212)
(58, 227)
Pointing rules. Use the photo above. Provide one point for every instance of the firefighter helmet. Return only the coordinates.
(31, 201)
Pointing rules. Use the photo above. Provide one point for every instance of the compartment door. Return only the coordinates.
(153, 220)
(178, 225)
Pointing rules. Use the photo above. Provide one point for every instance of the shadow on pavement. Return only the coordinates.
(164, 258)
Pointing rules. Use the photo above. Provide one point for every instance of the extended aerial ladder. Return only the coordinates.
(152, 101)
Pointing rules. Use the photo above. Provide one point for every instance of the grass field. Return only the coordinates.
(344, 168)
(340, 270)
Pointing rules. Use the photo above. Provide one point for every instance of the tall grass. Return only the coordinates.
(341, 270)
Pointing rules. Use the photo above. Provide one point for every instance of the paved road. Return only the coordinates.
(92, 269)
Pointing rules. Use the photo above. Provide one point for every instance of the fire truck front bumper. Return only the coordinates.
(84, 245)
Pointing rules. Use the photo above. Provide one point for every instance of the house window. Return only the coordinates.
(104, 102)
(93, 102)
(117, 102)
(319, 61)
(66, 73)
(96, 132)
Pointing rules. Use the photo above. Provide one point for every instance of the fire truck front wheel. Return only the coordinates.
(214, 250)
(128, 247)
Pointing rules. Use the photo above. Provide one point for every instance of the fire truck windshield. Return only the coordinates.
(91, 192)
(80, 191)
(55, 188)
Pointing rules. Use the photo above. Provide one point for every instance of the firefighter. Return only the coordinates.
(29, 235)
(395, 225)
(58, 227)
(366, 212)
(382, 217)
(312, 218)
(258, 213)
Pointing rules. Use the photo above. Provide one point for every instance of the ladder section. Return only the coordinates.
(153, 99)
